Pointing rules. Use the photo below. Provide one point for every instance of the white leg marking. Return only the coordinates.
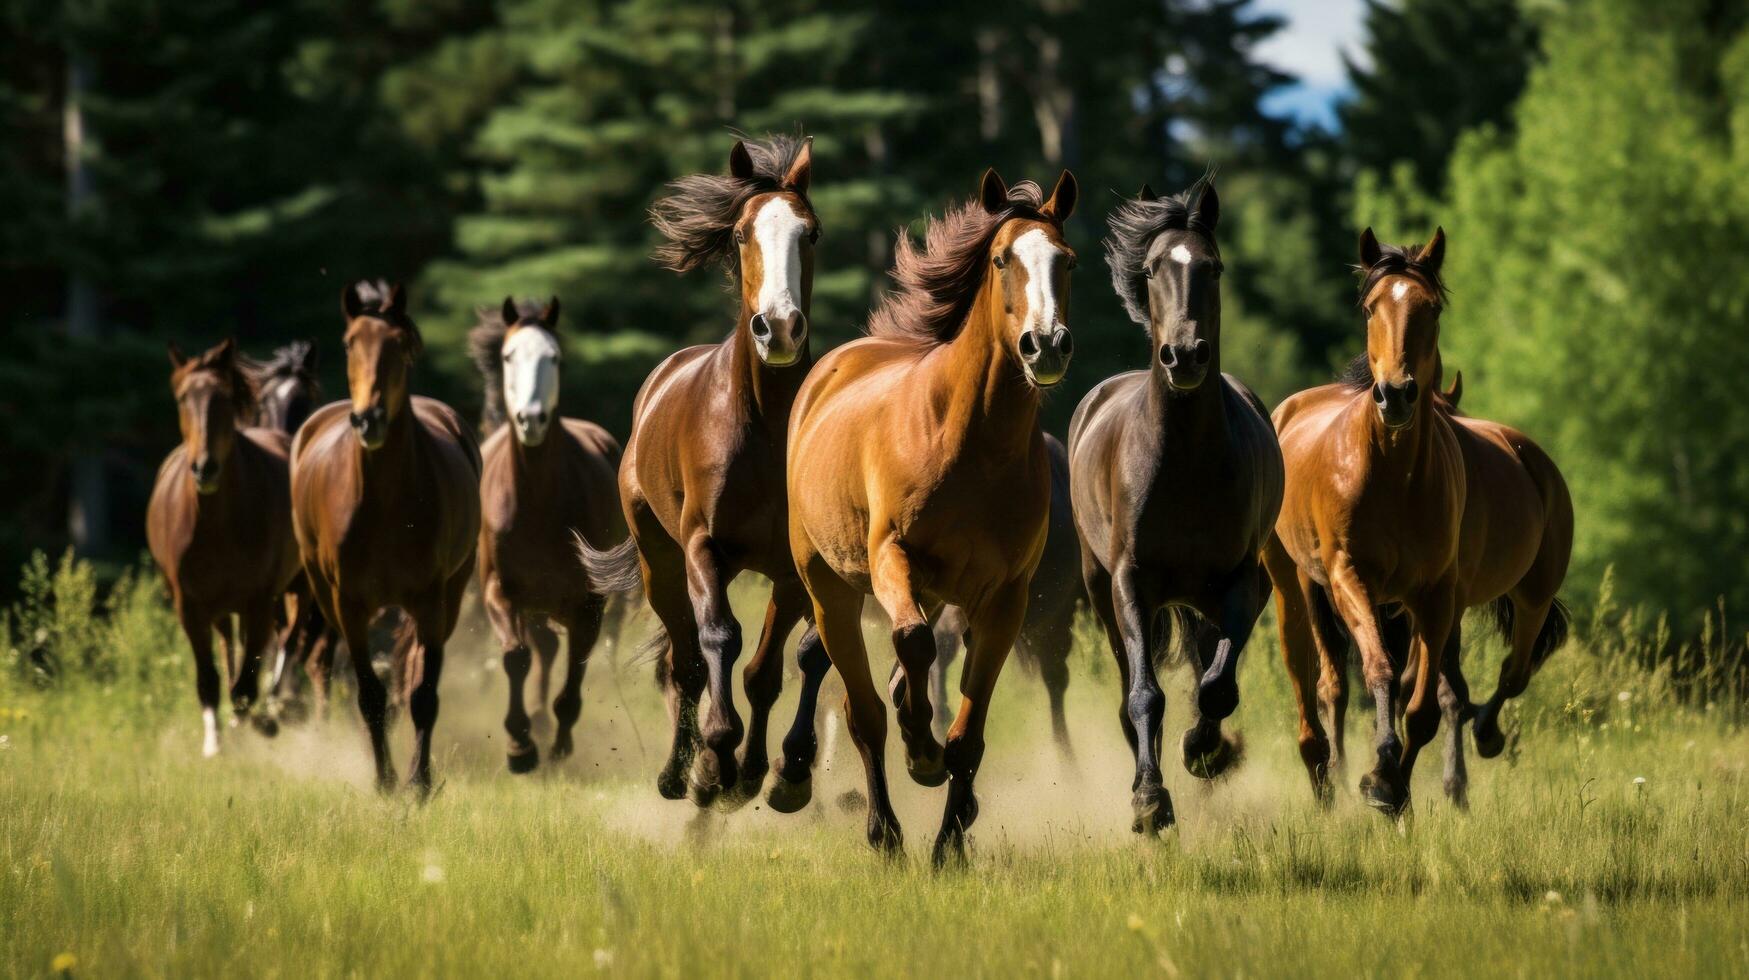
(210, 719)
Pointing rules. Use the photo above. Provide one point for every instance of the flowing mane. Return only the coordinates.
(936, 286)
(486, 348)
(698, 214)
(1133, 227)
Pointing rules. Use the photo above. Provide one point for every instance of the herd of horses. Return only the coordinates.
(908, 465)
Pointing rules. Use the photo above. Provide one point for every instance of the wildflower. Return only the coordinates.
(1624, 696)
(1639, 780)
(1135, 923)
(1552, 897)
(603, 959)
(64, 963)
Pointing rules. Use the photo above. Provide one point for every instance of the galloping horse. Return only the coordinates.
(219, 527)
(918, 474)
(545, 478)
(1393, 501)
(386, 501)
(702, 480)
(1177, 481)
(1047, 634)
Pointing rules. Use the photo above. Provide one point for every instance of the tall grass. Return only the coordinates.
(1612, 840)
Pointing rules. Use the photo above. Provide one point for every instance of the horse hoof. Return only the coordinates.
(524, 762)
(1218, 699)
(265, 725)
(751, 782)
(1458, 792)
(788, 797)
(561, 749)
(1211, 758)
(1153, 808)
(1378, 793)
(886, 838)
(950, 850)
(929, 772)
(671, 785)
(704, 795)
(1490, 742)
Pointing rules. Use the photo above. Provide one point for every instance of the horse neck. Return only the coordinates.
(534, 464)
(390, 464)
(768, 392)
(1187, 416)
(989, 399)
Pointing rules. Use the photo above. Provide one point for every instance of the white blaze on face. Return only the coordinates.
(531, 376)
(1400, 290)
(1181, 255)
(210, 719)
(1038, 255)
(778, 230)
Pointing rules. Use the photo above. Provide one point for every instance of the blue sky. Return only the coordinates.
(1311, 47)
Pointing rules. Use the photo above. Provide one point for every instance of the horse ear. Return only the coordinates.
(307, 360)
(740, 161)
(993, 192)
(799, 171)
(1207, 212)
(224, 352)
(1370, 253)
(550, 316)
(508, 313)
(1433, 253)
(1147, 194)
(397, 304)
(1062, 200)
(351, 304)
(177, 358)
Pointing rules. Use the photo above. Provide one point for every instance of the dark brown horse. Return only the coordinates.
(702, 480)
(386, 501)
(1047, 634)
(219, 526)
(545, 479)
(1177, 481)
(918, 474)
(1395, 505)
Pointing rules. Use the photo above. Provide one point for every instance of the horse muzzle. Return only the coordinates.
(206, 475)
(1187, 365)
(778, 339)
(371, 426)
(530, 426)
(1046, 357)
(1396, 402)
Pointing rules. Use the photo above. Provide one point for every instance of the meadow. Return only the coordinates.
(1610, 839)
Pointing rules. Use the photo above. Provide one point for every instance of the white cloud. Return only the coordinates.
(1311, 45)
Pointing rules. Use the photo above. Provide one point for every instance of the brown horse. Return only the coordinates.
(545, 478)
(1177, 481)
(1396, 504)
(219, 526)
(386, 502)
(918, 474)
(702, 480)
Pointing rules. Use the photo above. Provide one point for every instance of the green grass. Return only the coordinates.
(120, 846)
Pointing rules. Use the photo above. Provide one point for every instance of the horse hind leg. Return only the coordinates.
(838, 617)
(1454, 705)
(582, 628)
(197, 625)
(949, 629)
(1293, 592)
(763, 682)
(522, 755)
(1535, 629)
(681, 670)
(994, 631)
(1332, 646)
(545, 643)
(259, 636)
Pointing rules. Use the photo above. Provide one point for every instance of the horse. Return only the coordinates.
(1177, 480)
(545, 477)
(386, 504)
(1047, 634)
(220, 530)
(1396, 505)
(918, 474)
(702, 481)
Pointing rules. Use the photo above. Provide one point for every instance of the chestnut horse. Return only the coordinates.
(1394, 502)
(386, 502)
(544, 479)
(702, 480)
(219, 527)
(918, 474)
(1047, 634)
(1177, 481)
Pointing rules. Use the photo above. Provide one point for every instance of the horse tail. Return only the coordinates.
(1557, 627)
(1175, 637)
(612, 572)
(486, 348)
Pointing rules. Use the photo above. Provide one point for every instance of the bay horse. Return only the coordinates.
(386, 504)
(1397, 505)
(918, 474)
(1047, 633)
(1177, 480)
(219, 527)
(702, 481)
(545, 477)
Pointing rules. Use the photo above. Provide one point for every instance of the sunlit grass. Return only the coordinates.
(123, 849)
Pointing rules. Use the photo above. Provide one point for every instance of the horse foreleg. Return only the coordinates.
(681, 672)
(719, 642)
(838, 617)
(522, 755)
(373, 698)
(1099, 592)
(994, 628)
(914, 643)
(545, 644)
(197, 625)
(1133, 606)
(260, 637)
(1207, 752)
(793, 788)
(582, 628)
(431, 620)
(1433, 614)
(1293, 589)
(763, 681)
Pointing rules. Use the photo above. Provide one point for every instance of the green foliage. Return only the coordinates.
(1597, 297)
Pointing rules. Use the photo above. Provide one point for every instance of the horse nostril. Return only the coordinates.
(1168, 356)
(1378, 393)
(1029, 345)
(761, 326)
(1065, 343)
(1411, 390)
(1202, 352)
(801, 328)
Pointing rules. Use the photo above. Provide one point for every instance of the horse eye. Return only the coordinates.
(814, 237)
(507, 358)
(999, 263)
